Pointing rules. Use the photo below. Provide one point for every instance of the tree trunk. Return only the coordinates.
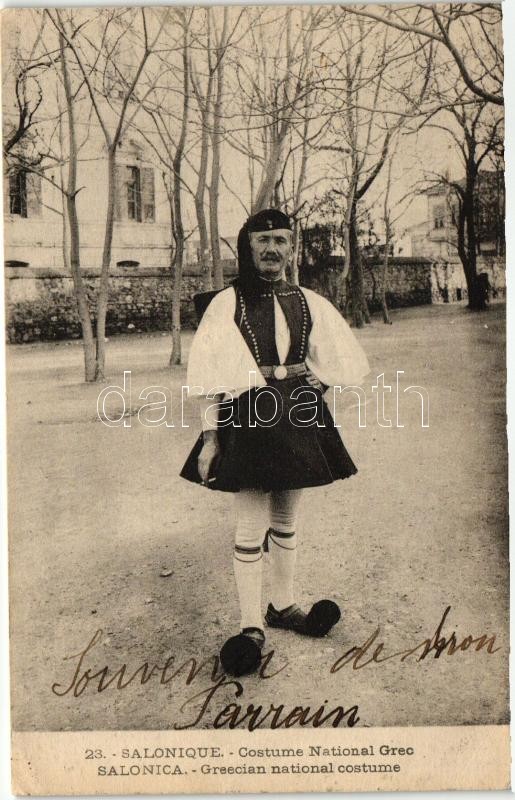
(216, 138)
(294, 266)
(265, 193)
(204, 255)
(204, 104)
(112, 142)
(88, 341)
(176, 354)
(65, 241)
(384, 278)
(344, 284)
(297, 231)
(103, 285)
(467, 242)
(366, 310)
(477, 300)
(360, 312)
(218, 273)
(214, 188)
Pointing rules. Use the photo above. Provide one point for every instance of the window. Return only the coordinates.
(24, 193)
(18, 193)
(134, 193)
(147, 195)
(135, 198)
(439, 216)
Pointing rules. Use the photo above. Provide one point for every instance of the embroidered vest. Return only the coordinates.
(255, 319)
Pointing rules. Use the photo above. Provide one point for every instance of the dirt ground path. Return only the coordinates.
(97, 514)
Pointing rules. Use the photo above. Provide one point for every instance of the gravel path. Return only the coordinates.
(104, 535)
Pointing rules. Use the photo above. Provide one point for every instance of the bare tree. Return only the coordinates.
(222, 39)
(295, 182)
(464, 45)
(171, 124)
(388, 233)
(208, 70)
(298, 191)
(204, 98)
(178, 224)
(26, 71)
(286, 100)
(476, 131)
(470, 33)
(391, 211)
(168, 107)
(379, 84)
(47, 143)
(70, 195)
(273, 82)
(94, 59)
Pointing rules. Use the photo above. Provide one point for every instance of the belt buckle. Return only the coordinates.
(280, 372)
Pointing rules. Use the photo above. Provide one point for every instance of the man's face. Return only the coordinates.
(271, 251)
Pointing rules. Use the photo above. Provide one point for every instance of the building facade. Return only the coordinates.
(437, 236)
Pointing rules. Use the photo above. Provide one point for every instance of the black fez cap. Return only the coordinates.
(269, 219)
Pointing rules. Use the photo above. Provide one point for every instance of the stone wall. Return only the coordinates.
(414, 280)
(40, 303)
(449, 284)
(409, 282)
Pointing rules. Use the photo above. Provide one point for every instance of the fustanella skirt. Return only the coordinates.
(283, 438)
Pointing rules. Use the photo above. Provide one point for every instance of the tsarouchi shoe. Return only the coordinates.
(317, 622)
(241, 654)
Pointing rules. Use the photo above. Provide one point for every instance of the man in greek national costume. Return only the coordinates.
(263, 356)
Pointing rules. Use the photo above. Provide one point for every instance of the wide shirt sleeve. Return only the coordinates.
(219, 360)
(334, 354)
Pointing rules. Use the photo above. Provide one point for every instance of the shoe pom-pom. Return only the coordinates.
(240, 655)
(322, 617)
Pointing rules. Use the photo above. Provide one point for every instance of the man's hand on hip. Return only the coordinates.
(313, 381)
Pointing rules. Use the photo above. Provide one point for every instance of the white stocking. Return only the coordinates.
(282, 544)
(251, 509)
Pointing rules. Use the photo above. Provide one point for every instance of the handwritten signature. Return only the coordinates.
(435, 646)
(233, 715)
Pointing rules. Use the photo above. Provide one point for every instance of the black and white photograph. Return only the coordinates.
(257, 462)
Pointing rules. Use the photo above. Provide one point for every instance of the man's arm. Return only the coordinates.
(210, 448)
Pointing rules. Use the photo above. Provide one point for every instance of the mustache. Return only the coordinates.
(271, 258)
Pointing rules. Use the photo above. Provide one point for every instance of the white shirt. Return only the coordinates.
(282, 332)
(220, 362)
